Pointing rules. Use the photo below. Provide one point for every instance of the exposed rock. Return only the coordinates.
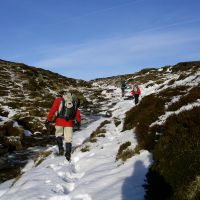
(108, 114)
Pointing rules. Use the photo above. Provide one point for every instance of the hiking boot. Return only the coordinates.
(68, 156)
(60, 145)
(68, 151)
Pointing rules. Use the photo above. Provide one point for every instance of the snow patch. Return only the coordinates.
(162, 119)
(27, 133)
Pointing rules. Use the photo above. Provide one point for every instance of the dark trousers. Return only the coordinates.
(123, 91)
(136, 96)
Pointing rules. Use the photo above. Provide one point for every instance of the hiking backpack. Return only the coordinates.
(123, 84)
(68, 107)
(135, 89)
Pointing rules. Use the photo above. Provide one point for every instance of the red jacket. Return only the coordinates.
(60, 121)
(138, 90)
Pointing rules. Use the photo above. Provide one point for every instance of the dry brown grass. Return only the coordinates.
(41, 157)
(141, 116)
(85, 148)
(125, 152)
(185, 66)
(117, 122)
(176, 155)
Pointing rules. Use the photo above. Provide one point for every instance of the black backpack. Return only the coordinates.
(68, 107)
(123, 84)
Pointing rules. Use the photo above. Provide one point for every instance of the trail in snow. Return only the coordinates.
(92, 175)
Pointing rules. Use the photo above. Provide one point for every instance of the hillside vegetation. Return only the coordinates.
(26, 95)
(166, 123)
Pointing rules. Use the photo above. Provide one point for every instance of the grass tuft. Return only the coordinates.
(125, 152)
(85, 148)
(99, 132)
(41, 157)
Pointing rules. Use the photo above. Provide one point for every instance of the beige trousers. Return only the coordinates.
(66, 131)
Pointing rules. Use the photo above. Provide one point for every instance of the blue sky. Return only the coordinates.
(98, 38)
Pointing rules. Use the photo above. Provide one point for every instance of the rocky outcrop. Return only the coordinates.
(27, 93)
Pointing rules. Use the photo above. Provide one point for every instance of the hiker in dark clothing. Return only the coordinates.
(123, 87)
(136, 93)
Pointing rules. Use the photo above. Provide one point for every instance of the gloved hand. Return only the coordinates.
(47, 122)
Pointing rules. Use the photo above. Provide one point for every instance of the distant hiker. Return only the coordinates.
(78, 123)
(123, 87)
(136, 93)
(66, 110)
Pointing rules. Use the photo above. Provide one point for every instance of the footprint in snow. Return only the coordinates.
(75, 159)
(58, 189)
(42, 197)
(61, 197)
(69, 187)
(63, 163)
(48, 182)
(66, 188)
(70, 177)
(74, 168)
(55, 167)
(83, 197)
(111, 138)
(78, 176)
(66, 176)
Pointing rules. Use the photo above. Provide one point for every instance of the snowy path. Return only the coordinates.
(92, 175)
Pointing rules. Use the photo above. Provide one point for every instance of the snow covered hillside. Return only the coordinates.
(114, 157)
(26, 95)
(93, 173)
(166, 122)
(28, 92)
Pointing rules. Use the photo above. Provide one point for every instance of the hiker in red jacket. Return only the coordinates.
(66, 111)
(136, 93)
